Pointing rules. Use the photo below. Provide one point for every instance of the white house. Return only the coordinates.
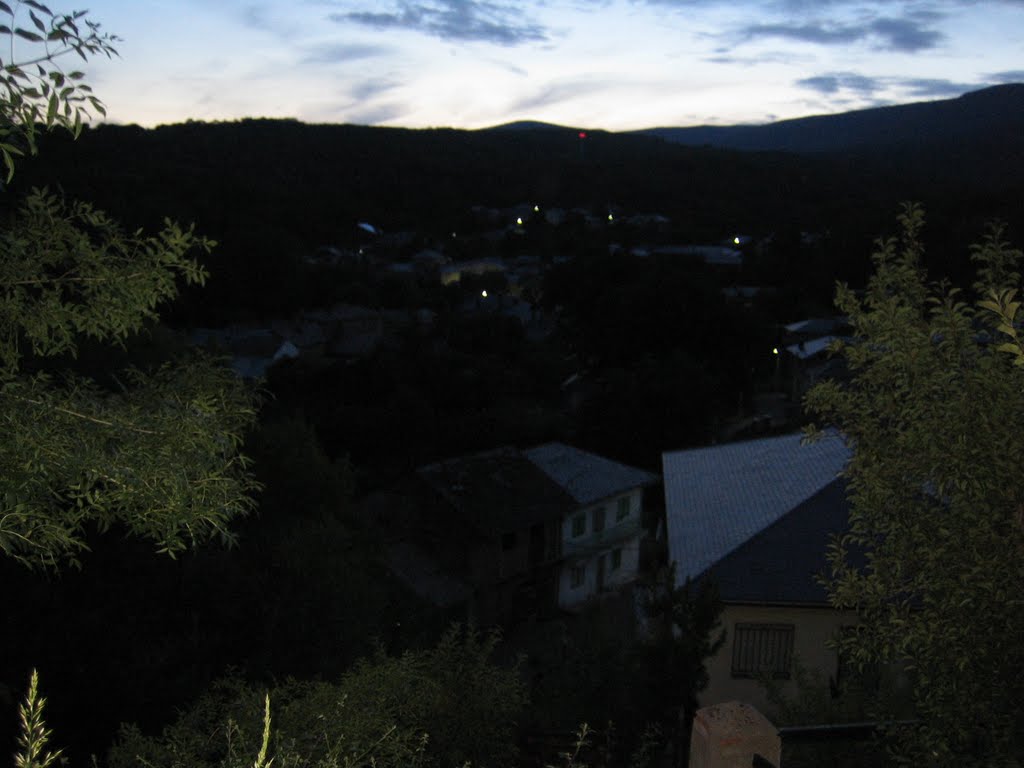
(600, 538)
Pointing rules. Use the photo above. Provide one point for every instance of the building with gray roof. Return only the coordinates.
(719, 497)
(527, 531)
(755, 518)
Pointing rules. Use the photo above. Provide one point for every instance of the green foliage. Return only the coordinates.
(69, 271)
(154, 451)
(809, 699)
(32, 740)
(34, 90)
(933, 412)
(445, 706)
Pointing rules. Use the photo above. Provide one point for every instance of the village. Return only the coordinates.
(525, 535)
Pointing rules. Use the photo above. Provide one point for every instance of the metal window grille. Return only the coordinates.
(762, 650)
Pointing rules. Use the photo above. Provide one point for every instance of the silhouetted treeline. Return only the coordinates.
(272, 191)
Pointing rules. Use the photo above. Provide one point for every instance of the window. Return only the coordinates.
(622, 511)
(577, 575)
(762, 650)
(598, 519)
(616, 559)
(508, 541)
(579, 525)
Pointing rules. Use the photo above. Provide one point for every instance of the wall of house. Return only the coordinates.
(598, 572)
(591, 564)
(612, 526)
(811, 631)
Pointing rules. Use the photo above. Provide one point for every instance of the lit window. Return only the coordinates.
(577, 575)
(598, 519)
(616, 559)
(579, 525)
(762, 650)
(622, 512)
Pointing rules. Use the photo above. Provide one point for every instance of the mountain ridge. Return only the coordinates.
(967, 116)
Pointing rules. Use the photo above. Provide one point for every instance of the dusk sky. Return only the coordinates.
(612, 64)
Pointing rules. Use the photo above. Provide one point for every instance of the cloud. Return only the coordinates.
(371, 88)
(863, 86)
(768, 57)
(339, 52)
(1008, 76)
(834, 82)
(936, 87)
(375, 115)
(454, 20)
(557, 93)
(907, 35)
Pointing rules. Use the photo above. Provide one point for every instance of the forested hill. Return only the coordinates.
(995, 113)
(271, 191)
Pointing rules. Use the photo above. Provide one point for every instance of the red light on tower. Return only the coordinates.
(583, 134)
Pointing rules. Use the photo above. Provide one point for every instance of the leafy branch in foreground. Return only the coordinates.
(156, 452)
(34, 89)
(932, 561)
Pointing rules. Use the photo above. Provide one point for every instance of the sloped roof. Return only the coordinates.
(781, 563)
(808, 349)
(718, 498)
(497, 491)
(587, 477)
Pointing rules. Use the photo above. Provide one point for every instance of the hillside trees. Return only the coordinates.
(934, 411)
(448, 705)
(154, 452)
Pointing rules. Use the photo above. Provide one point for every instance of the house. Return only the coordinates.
(755, 518)
(712, 255)
(808, 345)
(526, 532)
(602, 536)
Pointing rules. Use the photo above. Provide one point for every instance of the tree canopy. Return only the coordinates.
(933, 559)
(152, 450)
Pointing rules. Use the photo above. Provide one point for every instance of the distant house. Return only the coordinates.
(601, 537)
(755, 517)
(807, 345)
(491, 520)
(356, 331)
(453, 273)
(712, 255)
(527, 532)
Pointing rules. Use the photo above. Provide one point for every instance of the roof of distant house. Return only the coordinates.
(498, 491)
(818, 326)
(808, 349)
(720, 497)
(782, 562)
(587, 477)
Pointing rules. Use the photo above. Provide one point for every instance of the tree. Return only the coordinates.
(687, 622)
(157, 451)
(446, 706)
(933, 559)
(34, 90)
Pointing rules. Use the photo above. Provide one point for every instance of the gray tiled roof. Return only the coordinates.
(588, 478)
(498, 491)
(719, 497)
(781, 563)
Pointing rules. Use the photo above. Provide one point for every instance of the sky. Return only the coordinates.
(599, 64)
